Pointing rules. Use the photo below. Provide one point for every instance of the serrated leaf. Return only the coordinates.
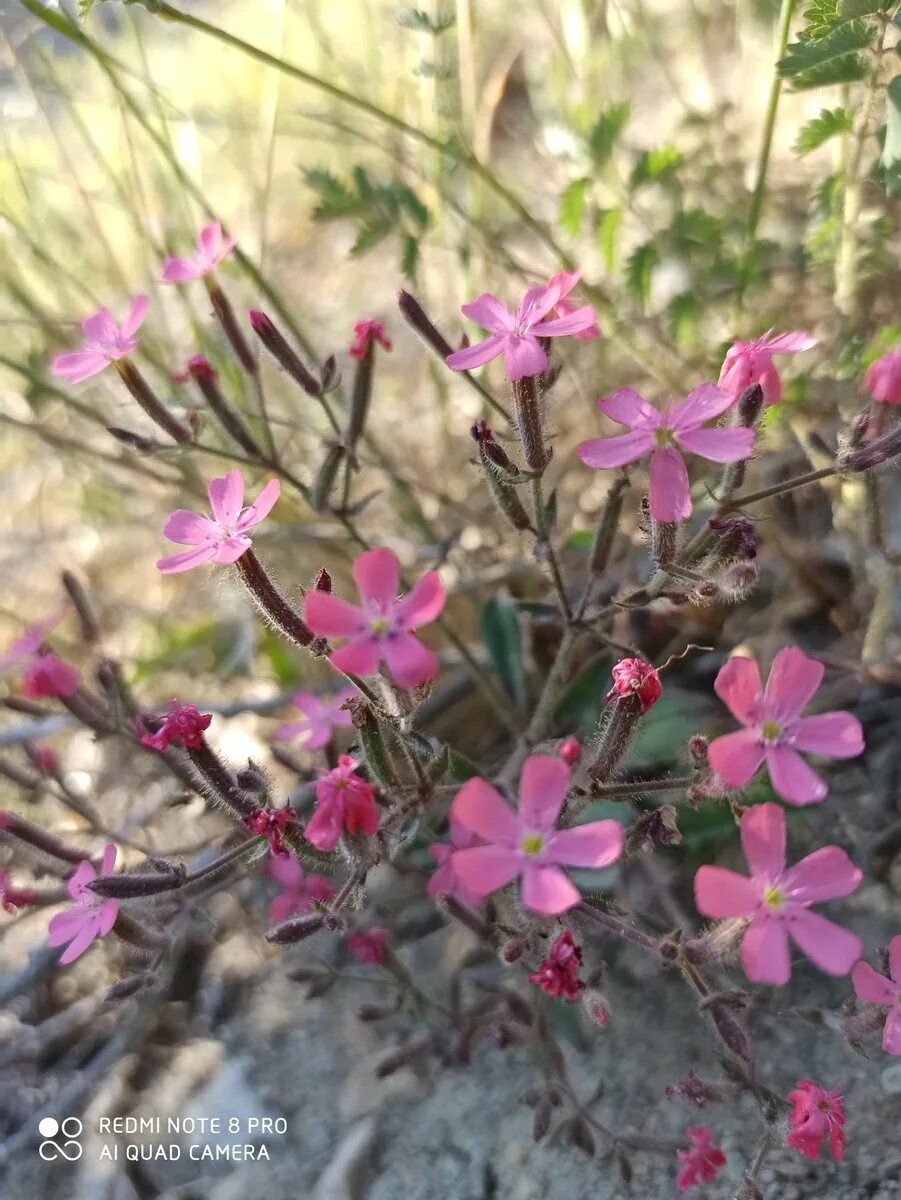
(414, 207)
(833, 58)
(409, 257)
(608, 236)
(335, 198)
(503, 639)
(829, 124)
(370, 234)
(851, 68)
(640, 272)
(697, 227)
(572, 207)
(656, 165)
(606, 132)
(421, 22)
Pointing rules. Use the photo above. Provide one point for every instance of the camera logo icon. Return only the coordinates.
(69, 1128)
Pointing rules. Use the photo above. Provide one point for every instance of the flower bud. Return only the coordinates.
(128, 886)
(127, 987)
(322, 581)
(415, 316)
(652, 829)
(596, 1008)
(296, 929)
(635, 677)
(134, 441)
(512, 951)
(141, 391)
(283, 354)
(206, 379)
(571, 752)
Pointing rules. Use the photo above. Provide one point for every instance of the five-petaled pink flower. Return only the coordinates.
(663, 435)
(883, 380)
(45, 675)
(775, 730)
(876, 989)
(91, 917)
(321, 717)
(515, 335)
(300, 891)
(777, 900)
(558, 975)
(445, 881)
(183, 723)
(381, 629)
(635, 677)
(344, 801)
(272, 822)
(222, 538)
(366, 333)
(369, 945)
(104, 342)
(752, 362)
(527, 844)
(817, 1114)
(701, 1162)
(212, 248)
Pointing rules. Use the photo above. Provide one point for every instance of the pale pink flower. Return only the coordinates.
(365, 334)
(663, 435)
(527, 844)
(876, 989)
(515, 335)
(817, 1114)
(300, 891)
(91, 916)
(321, 717)
(344, 801)
(212, 248)
(445, 881)
(775, 730)
(590, 334)
(381, 629)
(702, 1162)
(883, 380)
(369, 945)
(222, 538)
(752, 362)
(104, 342)
(777, 899)
(45, 675)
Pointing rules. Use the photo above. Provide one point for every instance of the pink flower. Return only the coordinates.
(300, 891)
(883, 379)
(752, 362)
(516, 335)
(702, 1161)
(212, 248)
(182, 723)
(817, 1115)
(635, 677)
(571, 752)
(663, 435)
(876, 989)
(367, 332)
(104, 342)
(321, 717)
(11, 897)
(380, 630)
(590, 334)
(369, 946)
(527, 844)
(272, 822)
(558, 975)
(775, 730)
(445, 881)
(31, 642)
(221, 538)
(344, 801)
(91, 917)
(197, 366)
(777, 900)
(45, 674)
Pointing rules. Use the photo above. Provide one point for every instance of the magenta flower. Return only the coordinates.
(775, 730)
(817, 1114)
(300, 891)
(883, 380)
(381, 629)
(777, 900)
(104, 342)
(701, 1162)
(635, 677)
(589, 334)
(183, 723)
(212, 248)
(344, 801)
(752, 362)
(91, 917)
(876, 989)
(45, 675)
(515, 335)
(445, 881)
(365, 334)
(271, 822)
(369, 945)
(527, 844)
(222, 538)
(558, 975)
(663, 435)
(321, 717)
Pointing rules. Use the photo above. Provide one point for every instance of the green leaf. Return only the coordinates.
(572, 207)
(656, 165)
(335, 198)
(503, 639)
(664, 732)
(421, 22)
(640, 272)
(409, 257)
(608, 236)
(581, 539)
(581, 703)
(833, 58)
(606, 132)
(829, 124)
(370, 234)
(683, 313)
(891, 151)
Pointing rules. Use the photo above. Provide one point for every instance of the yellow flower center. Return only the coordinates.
(380, 625)
(772, 731)
(532, 844)
(773, 898)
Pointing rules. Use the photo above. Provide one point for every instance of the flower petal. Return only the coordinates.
(377, 573)
(359, 657)
(564, 282)
(605, 453)
(79, 365)
(700, 405)
(792, 778)
(833, 949)
(477, 355)
(597, 844)
(481, 809)
(189, 529)
(738, 686)
(101, 327)
(331, 616)
(827, 874)
(764, 952)
(486, 310)
(179, 270)
(894, 959)
(135, 318)
(64, 926)
(628, 407)
(891, 1035)
(409, 661)
(230, 549)
(81, 942)
(719, 445)
(187, 560)
(873, 987)
(227, 498)
(794, 677)
(423, 603)
(210, 239)
(107, 917)
(834, 735)
(484, 869)
(736, 757)
(722, 894)
(108, 862)
(261, 507)
(670, 494)
(523, 356)
(790, 343)
(545, 889)
(575, 322)
(542, 790)
(762, 831)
